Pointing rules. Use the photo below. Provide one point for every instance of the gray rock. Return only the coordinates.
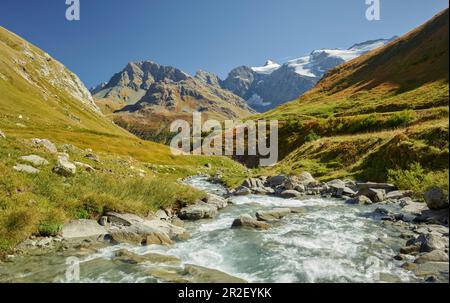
(276, 180)
(430, 242)
(35, 160)
(216, 200)
(306, 178)
(359, 200)
(199, 274)
(2, 135)
(26, 169)
(414, 208)
(432, 216)
(375, 195)
(395, 195)
(92, 157)
(242, 191)
(287, 194)
(45, 143)
(161, 215)
(64, 167)
(128, 257)
(432, 268)
(272, 215)
(436, 199)
(248, 221)
(198, 211)
(83, 229)
(385, 186)
(433, 256)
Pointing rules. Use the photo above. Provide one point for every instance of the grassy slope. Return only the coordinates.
(384, 110)
(40, 204)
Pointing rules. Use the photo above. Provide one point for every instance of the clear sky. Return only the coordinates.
(213, 35)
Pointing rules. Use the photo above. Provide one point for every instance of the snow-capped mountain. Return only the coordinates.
(268, 86)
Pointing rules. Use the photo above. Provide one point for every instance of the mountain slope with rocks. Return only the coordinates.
(270, 85)
(381, 116)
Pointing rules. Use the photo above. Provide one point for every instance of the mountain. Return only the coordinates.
(146, 97)
(270, 85)
(385, 110)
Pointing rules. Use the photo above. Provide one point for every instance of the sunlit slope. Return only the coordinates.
(386, 109)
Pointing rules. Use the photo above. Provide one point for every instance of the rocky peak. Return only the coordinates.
(208, 78)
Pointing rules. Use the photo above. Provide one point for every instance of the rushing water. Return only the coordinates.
(330, 242)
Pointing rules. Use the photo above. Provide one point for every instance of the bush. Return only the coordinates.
(402, 118)
(415, 178)
(311, 137)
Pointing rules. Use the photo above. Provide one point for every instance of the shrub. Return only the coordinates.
(312, 136)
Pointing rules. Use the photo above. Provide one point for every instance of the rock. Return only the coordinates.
(408, 250)
(25, 169)
(433, 256)
(375, 195)
(45, 143)
(272, 215)
(83, 229)
(276, 180)
(386, 187)
(208, 165)
(198, 211)
(2, 135)
(359, 200)
(103, 221)
(85, 166)
(177, 222)
(414, 208)
(432, 268)
(161, 215)
(216, 200)
(287, 194)
(405, 201)
(389, 278)
(92, 157)
(436, 199)
(248, 221)
(430, 242)
(395, 195)
(306, 178)
(242, 191)
(158, 238)
(297, 210)
(432, 216)
(128, 257)
(253, 183)
(35, 160)
(64, 167)
(201, 274)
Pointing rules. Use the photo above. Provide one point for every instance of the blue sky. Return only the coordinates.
(214, 35)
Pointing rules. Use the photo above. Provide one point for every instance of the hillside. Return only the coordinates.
(146, 97)
(382, 111)
(40, 98)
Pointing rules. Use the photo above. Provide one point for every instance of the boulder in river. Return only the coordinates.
(83, 229)
(306, 178)
(287, 194)
(433, 256)
(359, 200)
(432, 241)
(276, 180)
(216, 200)
(248, 221)
(384, 186)
(199, 274)
(375, 195)
(198, 211)
(436, 199)
(272, 215)
(242, 191)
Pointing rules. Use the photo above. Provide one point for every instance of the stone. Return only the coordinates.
(128, 257)
(306, 178)
(414, 208)
(359, 200)
(177, 222)
(208, 165)
(85, 166)
(407, 250)
(297, 210)
(287, 194)
(436, 199)
(433, 256)
(242, 191)
(216, 200)
(45, 143)
(405, 201)
(2, 135)
(395, 195)
(198, 211)
(432, 268)
(161, 215)
(431, 241)
(35, 160)
(92, 157)
(83, 229)
(103, 221)
(248, 221)
(276, 180)
(375, 195)
(64, 167)
(432, 216)
(385, 186)
(272, 215)
(26, 169)
(199, 274)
